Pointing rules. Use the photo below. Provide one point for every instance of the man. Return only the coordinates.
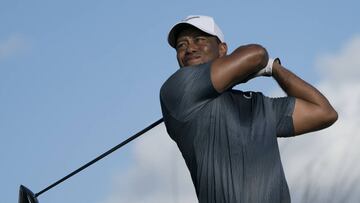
(227, 137)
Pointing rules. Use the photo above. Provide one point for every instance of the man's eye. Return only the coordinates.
(180, 45)
(200, 39)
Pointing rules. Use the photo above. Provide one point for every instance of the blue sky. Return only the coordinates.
(78, 77)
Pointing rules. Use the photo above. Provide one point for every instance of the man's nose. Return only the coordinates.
(192, 47)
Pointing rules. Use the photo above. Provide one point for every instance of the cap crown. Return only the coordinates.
(204, 23)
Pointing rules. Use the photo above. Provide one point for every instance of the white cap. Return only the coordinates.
(204, 23)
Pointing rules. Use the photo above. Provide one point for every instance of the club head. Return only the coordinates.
(26, 196)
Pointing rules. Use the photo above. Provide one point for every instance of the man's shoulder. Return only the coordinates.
(183, 78)
(187, 91)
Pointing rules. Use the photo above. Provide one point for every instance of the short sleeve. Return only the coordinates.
(283, 108)
(187, 91)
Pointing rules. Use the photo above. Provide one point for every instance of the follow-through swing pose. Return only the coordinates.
(227, 137)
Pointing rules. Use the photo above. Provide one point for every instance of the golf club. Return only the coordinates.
(27, 196)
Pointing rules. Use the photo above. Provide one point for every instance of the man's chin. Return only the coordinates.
(194, 63)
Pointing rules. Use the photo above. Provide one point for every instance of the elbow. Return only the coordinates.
(257, 55)
(260, 55)
(333, 117)
(330, 116)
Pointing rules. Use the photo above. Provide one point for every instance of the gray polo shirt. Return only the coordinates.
(228, 140)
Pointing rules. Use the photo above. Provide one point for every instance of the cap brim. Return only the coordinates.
(179, 27)
(174, 32)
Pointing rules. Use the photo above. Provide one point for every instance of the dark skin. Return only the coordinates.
(193, 47)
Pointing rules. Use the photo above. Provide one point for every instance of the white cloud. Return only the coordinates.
(342, 67)
(320, 167)
(324, 166)
(12, 45)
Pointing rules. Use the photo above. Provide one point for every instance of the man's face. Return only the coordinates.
(194, 47)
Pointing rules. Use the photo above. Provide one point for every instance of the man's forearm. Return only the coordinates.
(234, 68)
(296, 87)
(313, 110)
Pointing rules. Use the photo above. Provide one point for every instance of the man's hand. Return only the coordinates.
(266, 71)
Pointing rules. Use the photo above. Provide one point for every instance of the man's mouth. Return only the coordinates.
(191, 59)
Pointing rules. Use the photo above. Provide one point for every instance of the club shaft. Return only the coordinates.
(101, 156)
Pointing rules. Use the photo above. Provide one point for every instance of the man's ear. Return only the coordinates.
(222, 49)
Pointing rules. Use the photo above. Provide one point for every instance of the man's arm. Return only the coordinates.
(232, 69)
(312, 110)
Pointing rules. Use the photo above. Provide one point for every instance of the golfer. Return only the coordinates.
(228, 137)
